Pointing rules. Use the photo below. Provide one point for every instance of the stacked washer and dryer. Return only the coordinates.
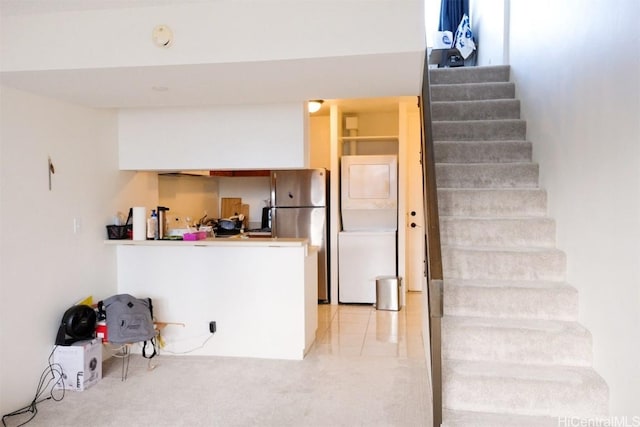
(367, 244)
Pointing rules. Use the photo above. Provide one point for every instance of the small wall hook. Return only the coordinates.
(51, 170)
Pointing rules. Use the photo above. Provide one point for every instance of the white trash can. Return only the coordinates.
(388, 293)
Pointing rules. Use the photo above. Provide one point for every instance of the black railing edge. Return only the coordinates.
(433, 254)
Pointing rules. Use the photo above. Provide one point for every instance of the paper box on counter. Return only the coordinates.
(443, 40)
(81, 364)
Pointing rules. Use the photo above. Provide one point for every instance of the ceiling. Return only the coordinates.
(225, 84)
(348, 81)
(24, 7)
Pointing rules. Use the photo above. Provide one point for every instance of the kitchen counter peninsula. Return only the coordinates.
(261, 292)
(237, 240)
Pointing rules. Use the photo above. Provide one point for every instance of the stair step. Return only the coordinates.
(526, 299)
(503, 264)
(486, 419)
(496, 73)
(472, 91)
(523, 389)
(483, 130)
(492, 202)
(505, 232)
(513, 352)
(492, 109)
(530, 341)
(487, 175)
(482, 151)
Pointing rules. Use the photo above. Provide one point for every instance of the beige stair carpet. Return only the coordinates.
(513, 351)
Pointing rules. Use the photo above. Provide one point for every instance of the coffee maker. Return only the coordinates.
(266, 218)
(162, 222)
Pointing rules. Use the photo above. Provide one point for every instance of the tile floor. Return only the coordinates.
(361, 330)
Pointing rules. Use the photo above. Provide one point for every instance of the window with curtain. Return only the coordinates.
(451, 13)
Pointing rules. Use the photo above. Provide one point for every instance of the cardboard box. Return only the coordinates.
(81, 364)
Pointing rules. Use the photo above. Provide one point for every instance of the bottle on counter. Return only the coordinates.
(152, 226)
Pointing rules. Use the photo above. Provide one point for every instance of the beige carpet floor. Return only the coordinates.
(367, 368)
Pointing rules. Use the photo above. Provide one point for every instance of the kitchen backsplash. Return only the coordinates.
(191, 197)
(188, 197)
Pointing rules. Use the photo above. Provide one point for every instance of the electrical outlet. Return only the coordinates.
(212, 326)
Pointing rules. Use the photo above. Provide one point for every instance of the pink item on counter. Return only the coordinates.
(198, 235)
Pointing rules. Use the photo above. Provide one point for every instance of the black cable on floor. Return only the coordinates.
(51, 376)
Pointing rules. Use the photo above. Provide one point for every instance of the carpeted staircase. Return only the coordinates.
(513, 351)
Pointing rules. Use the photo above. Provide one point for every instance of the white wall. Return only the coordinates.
(319, 142)
(266, 136)
(374, 123)
(377, 123)
(44, 266)
(577, 70)
(431, 19)
(490, 26)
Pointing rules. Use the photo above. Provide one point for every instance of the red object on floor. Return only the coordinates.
(101, 331)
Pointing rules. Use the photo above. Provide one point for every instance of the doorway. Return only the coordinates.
(385, 124)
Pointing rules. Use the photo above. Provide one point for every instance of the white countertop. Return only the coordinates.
(234, 241)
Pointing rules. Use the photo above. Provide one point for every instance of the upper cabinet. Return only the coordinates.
(266, 136)
(241, 173)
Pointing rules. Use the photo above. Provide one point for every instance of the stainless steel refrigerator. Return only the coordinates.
(299, 209)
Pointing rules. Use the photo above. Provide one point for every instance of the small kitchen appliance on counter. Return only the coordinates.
(162, 222)
(266, 218)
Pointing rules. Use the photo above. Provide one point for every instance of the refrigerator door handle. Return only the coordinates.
(274, 227)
